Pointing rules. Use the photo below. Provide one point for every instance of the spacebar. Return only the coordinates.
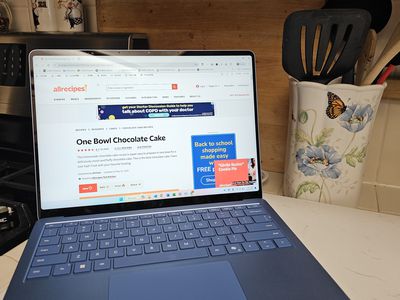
(154, 258)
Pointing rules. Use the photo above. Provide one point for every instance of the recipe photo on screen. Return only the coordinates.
(117, 129)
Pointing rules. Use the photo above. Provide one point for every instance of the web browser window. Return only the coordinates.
(114, 129)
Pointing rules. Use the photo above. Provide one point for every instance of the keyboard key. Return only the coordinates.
(194, 218)
(208, 232)
(50, 232)
(105, 244)
(97, 254)
(238, 229)
(213, 210)
(82, 267)
(132, 224)
(39, 272)
(116, 252)
(63, 269)
(164, 221)
(203, 242)
(68, 248)
(104, 235)
(101, 221)
(137, 231)
(227, 208)
(186, 226)
(173, 214)
(134, 250)
(219, 240)
(170, 228)
(141, 240)
(151, 248)
(262, 218)
(261, 226)
(245, 220)
(282, 243)
(223, 214)
(235, 238)
(48, 241)
(154, 229)
(189, 244)
(148, 222)
(192, 234)
(217, 250)
(170, 246)
(262, 235)
(78, 257)
(266, 244)
(240, 207)
(188, 212)
(201, 224)
(235, 248)
(46, 250)
(222, 230)
(130, 261)
(250, 246)
(86, 237)
(237, 213)
(100, 227)
(175, 236)
(116, 225)
(84, 229)
(87, 222)
(208, 216)
(158, 238)
(69, 224)
(179, 219)
(143, 217)
(89, 246)
(118, 219)
(231, 221)
(216, 223)
(53, 225)
(160, 215)
(131, 218)
(254, 211)
(104, 264)
(50, 260)
(201, 211)
(121, 233)
(67, 230)
(69, 239)
(123, 242)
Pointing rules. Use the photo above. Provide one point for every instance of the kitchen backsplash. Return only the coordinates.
(22, 15)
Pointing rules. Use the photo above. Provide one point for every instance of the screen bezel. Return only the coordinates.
(82, 210)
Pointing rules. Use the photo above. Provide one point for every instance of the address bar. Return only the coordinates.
(141, 87)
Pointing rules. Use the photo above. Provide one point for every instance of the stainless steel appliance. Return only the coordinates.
(17, 182)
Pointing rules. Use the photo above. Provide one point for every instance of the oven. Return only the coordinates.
(17, 177)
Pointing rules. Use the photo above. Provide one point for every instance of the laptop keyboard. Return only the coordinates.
(112, 243)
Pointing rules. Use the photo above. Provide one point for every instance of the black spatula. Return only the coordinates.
(321, 45)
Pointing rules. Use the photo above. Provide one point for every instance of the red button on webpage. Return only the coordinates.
(88, 188)
(174, 86)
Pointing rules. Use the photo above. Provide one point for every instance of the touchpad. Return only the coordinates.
(215, 280)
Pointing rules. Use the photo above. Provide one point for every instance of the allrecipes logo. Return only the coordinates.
(71, 89)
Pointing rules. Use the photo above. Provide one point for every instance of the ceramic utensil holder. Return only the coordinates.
(328, 133)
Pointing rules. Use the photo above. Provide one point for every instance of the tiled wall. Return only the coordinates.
(22, 15)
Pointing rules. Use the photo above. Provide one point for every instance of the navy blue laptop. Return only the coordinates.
(149, 185)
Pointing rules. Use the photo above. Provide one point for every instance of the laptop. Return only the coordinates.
(149, 183)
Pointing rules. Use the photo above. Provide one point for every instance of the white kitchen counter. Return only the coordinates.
(359, 249)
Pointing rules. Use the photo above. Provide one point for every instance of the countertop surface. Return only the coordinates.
(359, 249)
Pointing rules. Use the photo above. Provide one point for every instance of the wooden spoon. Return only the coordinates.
(392, 48)
(366, 57)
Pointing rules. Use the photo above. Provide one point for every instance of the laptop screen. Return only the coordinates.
(133, 127)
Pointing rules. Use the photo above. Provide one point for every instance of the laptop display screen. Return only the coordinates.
(129, 128)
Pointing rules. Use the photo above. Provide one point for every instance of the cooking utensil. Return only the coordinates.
(389, 70)
(321, 45)
(391, 49)
(366, 57)
(380, 10)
